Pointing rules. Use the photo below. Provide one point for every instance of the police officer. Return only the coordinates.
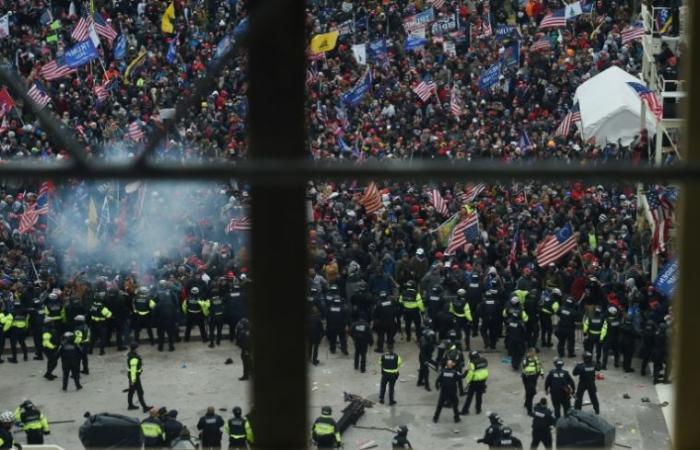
(401, 438)
(595, 328)
(612, 338)
(560, 385)
(628, 342)
(548, 306)
(493, 433)
(75, 307)
(566, 328)
(412, 304)
(7, 421)
(70, 355)
(236, 429)
(425, 357)
(242, 332)
(435, 302)
(530, 372)
(171, 426)
(236, 306)
(5, 325)
(489, 310)
(216, 319)
(152, 430)
(507, 440)
(385, 321)
(586, 382)
(33, 422)
(99, 314)
(116, 303)
(516, 337)
(447, 382)
(531, 308)
(55, 311)
(361, 333)
(141, 314)
(542, 423)
(165, 315)
(336, 325)
(82, 340)
(648, 333)
(18, 330)
(324, 432)
(195, 310)
(474, 298)
(134, 367)
(390, 363)
(515, 308)
(50, 343)
(452, 351)
(37, 314)
(659, 353)
(209, 427)
(477, 375)
(459, 308)
(314, 334)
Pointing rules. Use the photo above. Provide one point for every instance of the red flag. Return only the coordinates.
(6, 102)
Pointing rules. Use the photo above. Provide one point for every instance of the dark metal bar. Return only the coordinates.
(290, 172)
(686, 433)
(278, 237)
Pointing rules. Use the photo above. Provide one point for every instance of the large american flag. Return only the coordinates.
(56, 69)
(425, 89)
(466, 230)
(134, 131)
(649, 97)
(554, 19)
(82, 29)
(570, 118)
(634, 31)
(40, 207)
(238, 224)
(542, 44)
(556, 245)
(438, 202)
(455, 102)
(661, 211)
(372, 200)
(38, 94)
(470, 193)
(103, 28)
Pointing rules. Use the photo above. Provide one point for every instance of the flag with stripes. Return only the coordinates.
(81, 30)
(103, 28)
(372, 200)
(134, 132)
(438, 202)
(486, 29)
(649, 97)
(556, 245)
(101, 92)
(471, 192)
(632, 32)
(56, 69)
(437, 4)
(39, 95)
(238, 224)
(425, 89)
(455, 102)
(467, 230)
(542, 44)
(661, 211)
(41, 207)
(572, 117)
(554, 19)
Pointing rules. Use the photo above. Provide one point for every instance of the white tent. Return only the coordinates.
(611, 109)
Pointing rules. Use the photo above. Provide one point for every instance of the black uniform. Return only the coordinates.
(548, 306)
(37, 315)
(492, 435)
(70, 354)
(336, 324)
(236, 308)
(425, 357)
(659, 354)
(236, 428)
(172, 429)
(99, 314)
(6, 438)
(490, 313)
(434, 303)
(560, 385)
(141, 317)
(390, 363)
(596, 328)
(648, 333)
(134, 367)
(516, 339)
(542, 424)
(448, 382)
(165, 315)
(50, 345)
(117, 304)
(194, 316)
(385, 322)
(612, 341)
(216, 319)
(400, 441)
(209, 426)
(242, 332)
(314, 334)
(19, 335)
(474, 297)
(361, 333)
(586, 382)
(628, 342)
(531, 308)
(566, 329)
(508, 442)
(459, 307)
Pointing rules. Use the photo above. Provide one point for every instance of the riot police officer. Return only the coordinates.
(18, 330)
(516, 337)
(452, 351)
(532, 370)
(195, 309)
(361, 333)
(336, 325)
(50, 343)
(435, 302)
(493, 433)
(385, 321)
(70, 355)
(477, 375)
(548, 306)
(459, 307)
(412, 304)
(542, 423)
(99, 314)
(560, 385)
(447, 382)
(532, 326)
(216, 319)
(165, 315)
(37, 316)
(586, 382)
(314, 334)
(242, 332)
(659, 354)
(401, 440)
(474, 298)
(628, 343)
(425, 357)
(612, 338)
(324, 432)
(237, 429)
(82, 340)
(648, 333)
(390, 363)
(566, 328)
(595, 329)
(489, 310)
(141, 314)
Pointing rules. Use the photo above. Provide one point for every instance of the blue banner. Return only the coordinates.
(120, 48)
(489, 77)
(422, 18)
(445, 25)
(665, 283)
(413, 42)
(511, 55)
(80, 54)
(171, 56)
(505, 31)
(377, 49)
(363, 85)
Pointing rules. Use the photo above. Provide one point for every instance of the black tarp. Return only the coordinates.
(580, 429)
(111, 431)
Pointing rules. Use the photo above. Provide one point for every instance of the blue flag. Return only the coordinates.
(511, 55)
(665, 283)
(363, 85)
(377, 49)
(80, 54)
(413, 42)
(241, 29)
(344, 147)
(505, 31)
(120, 48)
(172, 51)
(489, 77)
(524, 141)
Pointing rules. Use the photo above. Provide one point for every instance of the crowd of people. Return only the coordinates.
(68, 301)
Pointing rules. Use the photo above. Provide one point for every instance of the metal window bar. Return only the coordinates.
(278, 171)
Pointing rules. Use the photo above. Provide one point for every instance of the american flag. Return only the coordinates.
(40, 207)
(634, 31)
(556, 245)
(438, 202)
(554, 19)
(425, 90)
(466, 230)
(56, 69)
(437, 4)
(572, 117)
(372, 200)
(513, 255)
(661, 211)
(238, 224)
(470, 193)
(101, 92)
(82, 29)
(542, 44)
(38, 94)
(649, 97)
(455, 102)
(103, 28)
(135, 132)
(486, 29)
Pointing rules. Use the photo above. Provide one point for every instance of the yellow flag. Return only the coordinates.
(166, 24)
(325, 42)
(92, 225)
(135, 62)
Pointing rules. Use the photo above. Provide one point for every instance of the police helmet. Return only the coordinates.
(474, 355)
(587, 356)
(403, 430)
(143, 290)
(194, 290)
(326, 411)
(79, 318)
(53, 296)
(612, 311)
(461, 292)
(27, 404)
(506, 432)
(237, 411)
(494, 417)
(162, 284)
(558, 363)
(556, 291)
(514, 301)
(7, 417)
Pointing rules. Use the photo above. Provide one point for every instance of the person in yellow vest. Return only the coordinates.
(152, 430)
(531, 370)
(32, 421)
(459, 308)
(5, 325)
(99, 314)
(18, 330)
(196, 309)
(595, 329)
(49, 343)
(134, 367)
(324, 432)
(238, 429)
(476, 377)
(390, 363)
(412, 303)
